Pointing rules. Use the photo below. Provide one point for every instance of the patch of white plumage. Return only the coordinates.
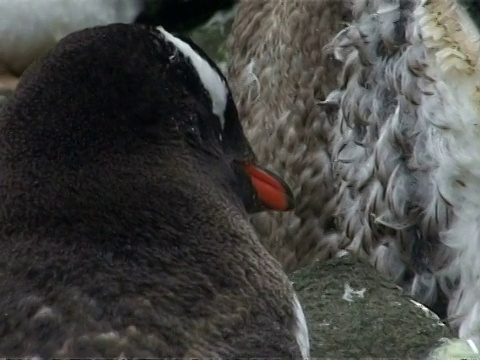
(301, 329)
(210, 78)
(406, 148)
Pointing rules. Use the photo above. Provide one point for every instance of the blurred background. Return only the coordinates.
(29, 28)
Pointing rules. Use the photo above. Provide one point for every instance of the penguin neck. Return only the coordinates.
(149, 221)
(120, 196)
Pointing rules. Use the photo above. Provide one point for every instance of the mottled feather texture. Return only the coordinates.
(403, 145)
(120, 234)
(278, 73)
(382, 166)
(405, 142)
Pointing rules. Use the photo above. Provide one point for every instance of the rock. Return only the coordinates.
(353, 312)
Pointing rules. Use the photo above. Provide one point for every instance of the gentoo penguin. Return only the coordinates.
(125, 185)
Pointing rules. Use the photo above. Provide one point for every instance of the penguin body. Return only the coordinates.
(125, 185)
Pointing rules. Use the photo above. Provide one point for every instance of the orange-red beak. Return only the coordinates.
(272, 191)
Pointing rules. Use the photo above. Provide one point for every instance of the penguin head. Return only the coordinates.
(128, 86)
(258, 187)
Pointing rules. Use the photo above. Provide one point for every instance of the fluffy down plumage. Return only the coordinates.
(278, 72)
(394, 174)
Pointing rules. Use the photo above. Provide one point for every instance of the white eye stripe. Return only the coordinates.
(211, 80)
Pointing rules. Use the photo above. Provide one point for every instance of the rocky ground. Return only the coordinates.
(351, 311)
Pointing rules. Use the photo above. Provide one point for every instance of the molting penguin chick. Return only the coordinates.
(125, 184)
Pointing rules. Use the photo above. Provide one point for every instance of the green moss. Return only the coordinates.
(384, 323)
(212, 36)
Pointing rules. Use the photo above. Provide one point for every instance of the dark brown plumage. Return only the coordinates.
(122, 212)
